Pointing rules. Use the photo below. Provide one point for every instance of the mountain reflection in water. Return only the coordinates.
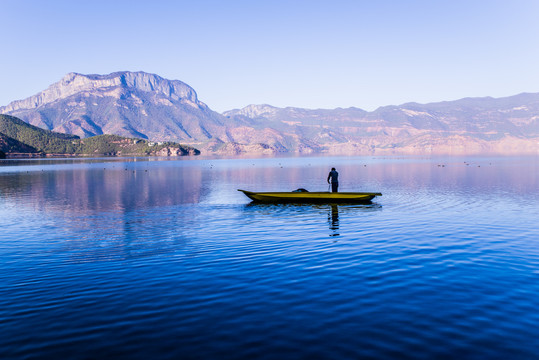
(104, 188)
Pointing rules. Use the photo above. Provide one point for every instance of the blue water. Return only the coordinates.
(153, 258)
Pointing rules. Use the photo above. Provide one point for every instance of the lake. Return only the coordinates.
(147, 258)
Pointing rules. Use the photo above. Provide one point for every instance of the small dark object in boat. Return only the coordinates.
(301, 190)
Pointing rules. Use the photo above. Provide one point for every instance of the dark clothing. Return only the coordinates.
(334, 176)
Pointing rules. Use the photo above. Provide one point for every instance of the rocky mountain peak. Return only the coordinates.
(253, 111)
(75, 83)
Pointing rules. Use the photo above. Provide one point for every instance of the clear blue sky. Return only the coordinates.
(313, 54)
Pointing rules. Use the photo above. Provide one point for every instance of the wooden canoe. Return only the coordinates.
(299, 197)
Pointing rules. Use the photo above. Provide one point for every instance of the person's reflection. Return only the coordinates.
(333, 219)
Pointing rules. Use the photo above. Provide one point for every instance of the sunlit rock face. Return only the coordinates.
(105, 85)
(135, 104)
(142, 105)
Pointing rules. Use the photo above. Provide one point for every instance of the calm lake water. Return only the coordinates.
(153, 258)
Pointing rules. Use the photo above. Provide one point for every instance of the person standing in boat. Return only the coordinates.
(334, 177)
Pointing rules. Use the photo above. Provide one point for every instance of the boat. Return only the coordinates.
(309, 197)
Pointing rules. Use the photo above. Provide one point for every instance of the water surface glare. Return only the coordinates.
(157, 258)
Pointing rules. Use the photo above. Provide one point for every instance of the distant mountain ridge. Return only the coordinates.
(138, 104)
(470, 125)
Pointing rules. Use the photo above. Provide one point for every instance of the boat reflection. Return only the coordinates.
(333, 219)
(336, 213)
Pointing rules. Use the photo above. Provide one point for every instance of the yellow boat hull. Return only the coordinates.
(299, 197)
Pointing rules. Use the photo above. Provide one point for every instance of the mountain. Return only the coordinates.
(121, 103)
(147, 106)
(20, 138)
(135, 104)
(472, 125)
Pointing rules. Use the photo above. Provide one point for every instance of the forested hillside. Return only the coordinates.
(18, 137)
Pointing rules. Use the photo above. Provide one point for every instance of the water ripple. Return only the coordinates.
(444, 265)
